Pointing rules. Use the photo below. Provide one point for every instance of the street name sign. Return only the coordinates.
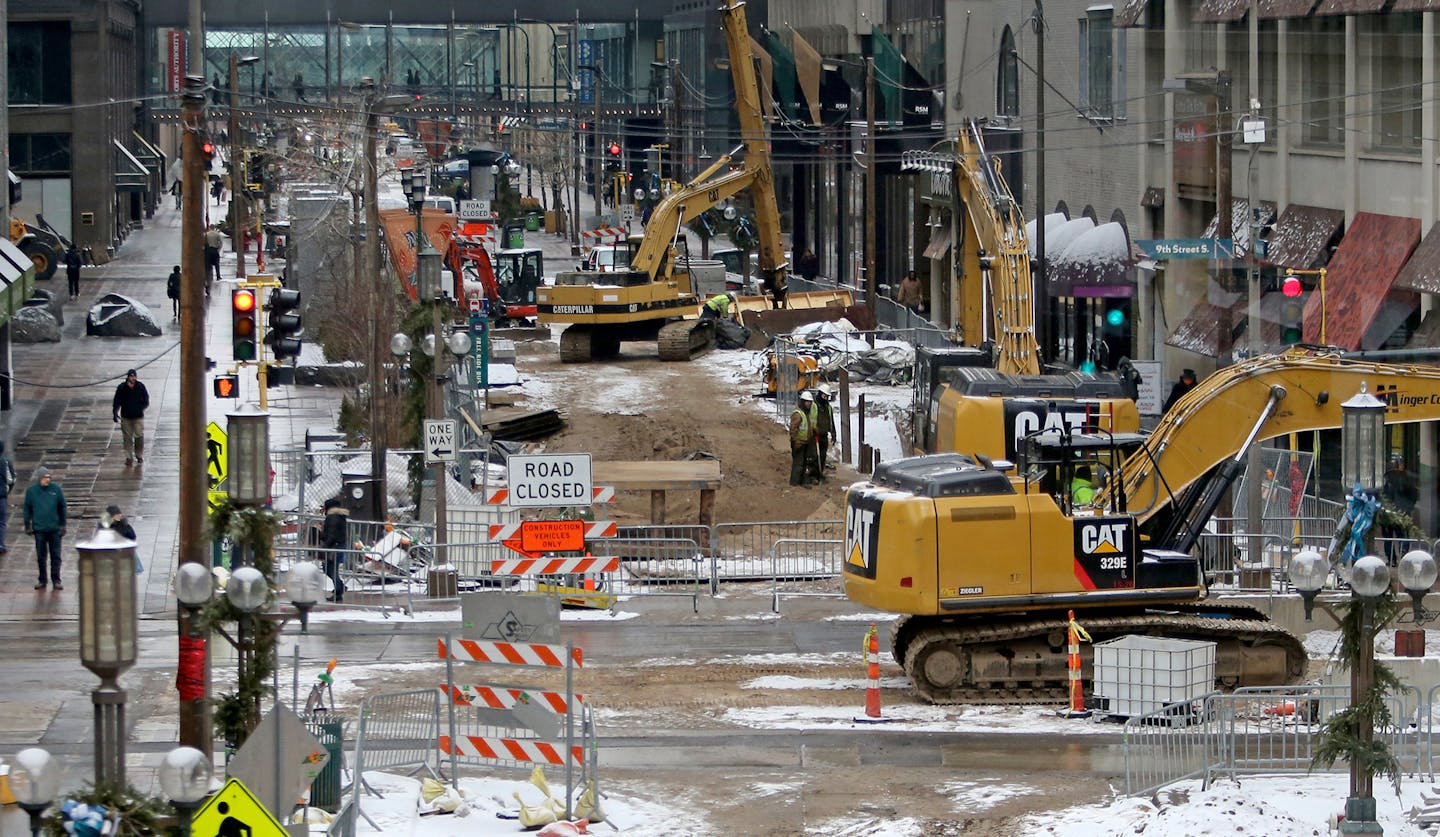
(549, 479)
(1168, 249)
(440, 440)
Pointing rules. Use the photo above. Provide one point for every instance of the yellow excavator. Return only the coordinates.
(982, 396)
(655, 299)
(983, 565)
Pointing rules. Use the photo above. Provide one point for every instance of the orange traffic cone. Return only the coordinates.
(871, 647)
(1077, 695)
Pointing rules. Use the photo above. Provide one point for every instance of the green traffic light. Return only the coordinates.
(244, 350)
(1115, 317)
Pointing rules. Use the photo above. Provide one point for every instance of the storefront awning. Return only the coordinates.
(130, 174)
(1154, 197)
(1239, 223)
(1283, 9)
(17, 279)
(1302, 236)
(1095, 263)
(1361, 305)
(1422, 272)
(1416, 6)
(939, 243)
(152, 157)
(1347, 7)
(1215, 330)
(1127, 13)
(1220, 11)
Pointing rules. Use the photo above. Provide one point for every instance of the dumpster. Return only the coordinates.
(325, 789)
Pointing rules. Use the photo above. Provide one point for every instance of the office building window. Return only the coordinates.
(40, 153)
(1102, 65)
(1007, 93)
(1395, 51)
(1324, 82)
(39, 63)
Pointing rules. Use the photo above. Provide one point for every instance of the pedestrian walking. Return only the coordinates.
(128, 410)
(217, 190)
(335, 536)
(1401, 493)
(114, 519)
(45, 519)
(824, 428)
(1182, 386)
(7, 483)
(213, 242)
(802, 440)
(172, 290)
(72, 271)
(908, 294)
(177, 191)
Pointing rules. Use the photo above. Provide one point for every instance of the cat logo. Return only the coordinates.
(861, 535)
(1104, 538)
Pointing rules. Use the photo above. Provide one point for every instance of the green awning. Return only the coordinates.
(17, 276)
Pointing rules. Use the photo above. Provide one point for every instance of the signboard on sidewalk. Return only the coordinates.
(474, 209)
(1150, 398)
(549, 479)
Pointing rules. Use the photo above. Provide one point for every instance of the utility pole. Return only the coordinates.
(599, 153)
(378, 344)
(1043, 327)
(237, 172)
(871, 286)
(1254, 463)
(195, 720)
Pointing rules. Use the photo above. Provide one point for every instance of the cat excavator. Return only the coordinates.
(655, 299)
(982, 565)
(980, 397)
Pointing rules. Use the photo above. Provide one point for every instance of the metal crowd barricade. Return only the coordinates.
(804, 561)
(743, 551)
(374, 578)
(1161, 748)
(660, 567)
(1256, 730)
(398, 731)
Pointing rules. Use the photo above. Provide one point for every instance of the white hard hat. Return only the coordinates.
(730, 294)
(805, 395)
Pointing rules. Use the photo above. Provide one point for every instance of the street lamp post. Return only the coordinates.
(107, 641)
(185, 780)
(35, 781)
(247, 591)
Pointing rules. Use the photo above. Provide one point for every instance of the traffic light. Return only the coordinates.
(226, 386)
(244, 329)
(614, 149)
(283, 338)
(1292, 311)
(207, 150)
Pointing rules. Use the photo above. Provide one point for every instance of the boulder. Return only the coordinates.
(34, 324)
(50, 302)
(117, 315)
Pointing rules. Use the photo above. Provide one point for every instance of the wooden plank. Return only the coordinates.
(653, 476)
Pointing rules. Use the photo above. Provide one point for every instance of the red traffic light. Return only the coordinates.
(614, 149)
(208, 148)
(243, 300)
(1291, 287)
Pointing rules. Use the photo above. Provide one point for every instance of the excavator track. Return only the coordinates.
(1021, 660)
(575, 344)
(684, 339)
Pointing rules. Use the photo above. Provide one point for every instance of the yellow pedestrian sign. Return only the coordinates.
(217, 444)
(235, 812)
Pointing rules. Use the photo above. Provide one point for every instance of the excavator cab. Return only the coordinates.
(1075, 468)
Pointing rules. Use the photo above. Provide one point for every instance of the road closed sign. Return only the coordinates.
(549, 479)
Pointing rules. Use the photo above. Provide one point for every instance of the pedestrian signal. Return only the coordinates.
(226, 386)
(244, 308)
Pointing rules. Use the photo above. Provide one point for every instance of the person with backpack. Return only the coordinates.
(172, 290)
(7, 483)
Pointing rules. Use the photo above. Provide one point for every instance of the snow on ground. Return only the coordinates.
(1266, 806)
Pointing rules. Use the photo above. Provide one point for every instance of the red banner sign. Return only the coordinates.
(175, 60)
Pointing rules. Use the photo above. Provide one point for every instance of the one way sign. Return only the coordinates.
(439, 440)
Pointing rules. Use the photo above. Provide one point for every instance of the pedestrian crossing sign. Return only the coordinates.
(217, 443)
(234, 810)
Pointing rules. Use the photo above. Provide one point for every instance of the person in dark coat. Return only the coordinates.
(172, 290)
(1182, 386)
(824, 426)
(128, 409)
(7, 484)
(72, 271)
(335, 535)
(45, 519)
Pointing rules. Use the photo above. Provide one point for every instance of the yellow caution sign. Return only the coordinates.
(217, 450)
(215, 498)
(234, 810)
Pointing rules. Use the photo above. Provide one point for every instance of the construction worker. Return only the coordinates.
(802, 440)
(717, 307)
(824, 426)
(1082, 486)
